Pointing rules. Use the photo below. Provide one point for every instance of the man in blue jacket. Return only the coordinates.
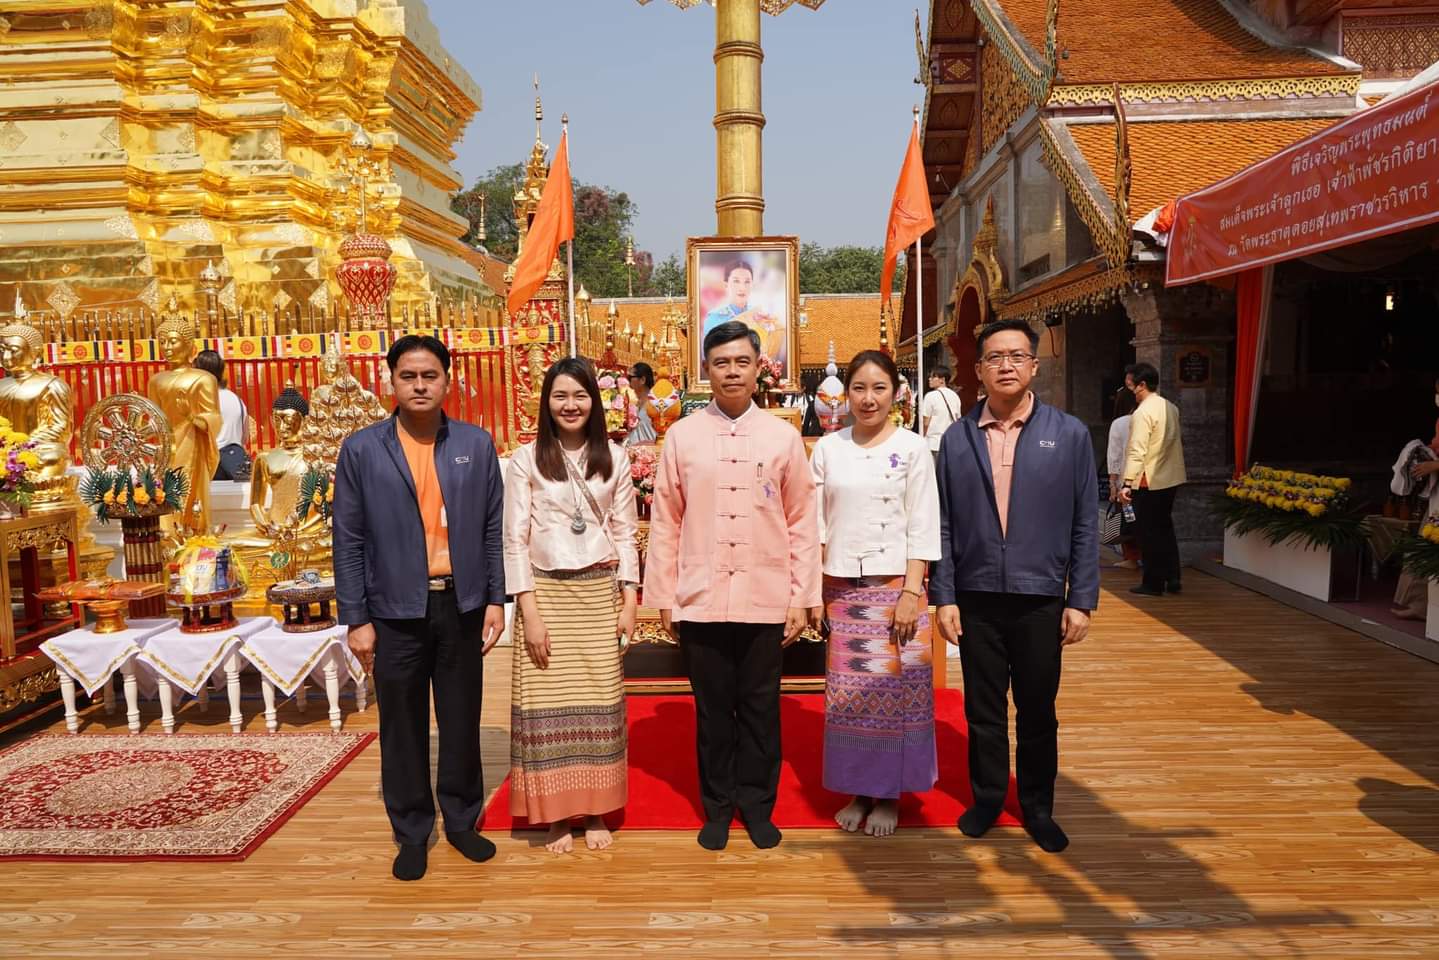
(1018, 574)
(423, 606)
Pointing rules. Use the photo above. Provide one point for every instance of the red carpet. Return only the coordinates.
(664, 782)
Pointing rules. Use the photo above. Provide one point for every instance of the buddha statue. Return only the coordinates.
(190, 400)
(339, 406)
(277, 472)
(40, 405)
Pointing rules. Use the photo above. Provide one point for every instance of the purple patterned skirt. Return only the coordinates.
(878, 698)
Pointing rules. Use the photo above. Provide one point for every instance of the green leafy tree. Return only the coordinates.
(843, 269)
(667, 278)
(604, 218)
(498, 188)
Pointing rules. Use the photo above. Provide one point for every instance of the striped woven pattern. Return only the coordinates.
(567, 722)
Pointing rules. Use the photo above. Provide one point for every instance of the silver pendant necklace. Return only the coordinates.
(577, 522)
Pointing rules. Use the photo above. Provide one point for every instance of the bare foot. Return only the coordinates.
(597, 835)
(883, 818)
(854, 813)
(559, 839)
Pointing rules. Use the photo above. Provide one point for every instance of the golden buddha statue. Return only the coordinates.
(190, 400)
(277, 472)
(40, 405)
(339, 406)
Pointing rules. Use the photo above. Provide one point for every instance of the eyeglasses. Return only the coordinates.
(996, 360)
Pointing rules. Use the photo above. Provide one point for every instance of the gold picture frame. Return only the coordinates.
(769, 303)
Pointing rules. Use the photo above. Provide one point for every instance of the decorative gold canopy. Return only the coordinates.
(774, 7)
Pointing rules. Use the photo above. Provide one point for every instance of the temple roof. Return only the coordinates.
(1158, 41)
(851, 320)
(1172, 158)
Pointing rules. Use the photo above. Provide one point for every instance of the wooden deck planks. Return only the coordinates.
(1239, 780)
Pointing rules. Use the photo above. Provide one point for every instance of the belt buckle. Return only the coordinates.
(438, 584)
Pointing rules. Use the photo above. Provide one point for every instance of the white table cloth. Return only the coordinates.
(287, 660)
(90, 659)
(190, 660)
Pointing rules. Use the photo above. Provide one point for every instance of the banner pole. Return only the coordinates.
(919, 329)
(570, 270)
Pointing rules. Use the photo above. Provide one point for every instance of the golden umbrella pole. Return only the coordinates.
(739, 119)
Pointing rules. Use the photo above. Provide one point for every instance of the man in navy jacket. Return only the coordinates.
(1018, 574)
(420, 582)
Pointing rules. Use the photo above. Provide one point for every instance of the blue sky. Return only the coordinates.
(638, 85)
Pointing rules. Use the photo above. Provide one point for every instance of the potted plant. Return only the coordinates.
(1298, 530)
(1419, 556)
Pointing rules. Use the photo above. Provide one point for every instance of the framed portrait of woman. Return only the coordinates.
(751, 279)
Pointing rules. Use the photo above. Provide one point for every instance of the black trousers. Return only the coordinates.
(734, 669)
(1011, 640)
(441, 650)
(1154, 511)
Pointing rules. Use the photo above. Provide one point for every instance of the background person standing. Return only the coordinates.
(1018, 576)
(941, 408)
(234, 435)
(423, 607)
(1153, 473)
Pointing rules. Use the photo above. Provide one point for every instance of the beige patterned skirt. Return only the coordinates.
(567, 722)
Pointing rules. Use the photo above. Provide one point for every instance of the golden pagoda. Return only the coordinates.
(141, 141)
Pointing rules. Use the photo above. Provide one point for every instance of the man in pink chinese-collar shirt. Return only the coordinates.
(734, 569)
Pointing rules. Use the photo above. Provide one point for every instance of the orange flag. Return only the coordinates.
(554, 223)
(910, 215)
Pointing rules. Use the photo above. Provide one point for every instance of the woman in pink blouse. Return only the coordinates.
(572, 564)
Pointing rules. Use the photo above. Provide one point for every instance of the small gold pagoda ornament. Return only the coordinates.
(365, 274)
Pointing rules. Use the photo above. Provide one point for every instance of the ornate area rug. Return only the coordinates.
(201, 797)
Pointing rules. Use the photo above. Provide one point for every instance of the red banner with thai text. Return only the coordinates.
(1371, 174)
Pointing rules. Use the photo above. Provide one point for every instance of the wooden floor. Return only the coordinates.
(1239, 780)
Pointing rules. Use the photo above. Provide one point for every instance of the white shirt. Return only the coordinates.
(1118, 444)
(938, 414)
(878, 507)
(232, 420)
(538, 513)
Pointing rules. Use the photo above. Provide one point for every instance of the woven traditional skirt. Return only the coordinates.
(878, 697)
(567, 722)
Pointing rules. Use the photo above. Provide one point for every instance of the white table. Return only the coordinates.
(287, 660)
(190, 660)
(90, 659)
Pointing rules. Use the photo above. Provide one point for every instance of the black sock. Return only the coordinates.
(714, 835)
(1046, 833)
(472, 845)
(763, 833)
(976, 821)
(410, 862)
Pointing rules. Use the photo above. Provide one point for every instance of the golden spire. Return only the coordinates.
(539, 109)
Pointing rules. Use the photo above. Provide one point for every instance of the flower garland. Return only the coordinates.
(620, 404)
(17, 460)
(120, 493)
(1283, 505)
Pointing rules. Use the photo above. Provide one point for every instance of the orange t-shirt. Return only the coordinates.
(420, 455)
